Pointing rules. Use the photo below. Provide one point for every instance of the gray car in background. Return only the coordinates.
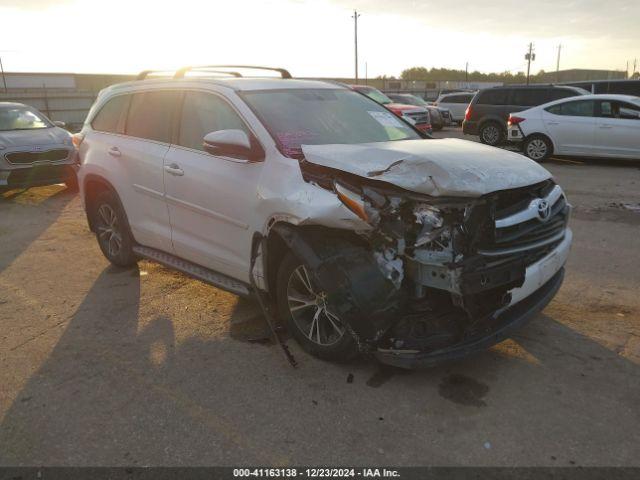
(439, 117)
(34, 150)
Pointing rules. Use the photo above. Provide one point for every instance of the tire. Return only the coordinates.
(293, 281)
(72, 182)
(491, 133)
(538, 148)
(112, 230)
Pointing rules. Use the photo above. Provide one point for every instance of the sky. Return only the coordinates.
(314, 38)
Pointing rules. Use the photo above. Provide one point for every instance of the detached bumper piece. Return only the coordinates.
(36, 176)
(502, 327)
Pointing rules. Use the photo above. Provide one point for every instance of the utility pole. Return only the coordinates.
(4, 80)
(466, 72)
(366, 73)
(558, 64)
(355, 24)
(529, 57)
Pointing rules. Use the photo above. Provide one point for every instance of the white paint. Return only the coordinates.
(433, 167)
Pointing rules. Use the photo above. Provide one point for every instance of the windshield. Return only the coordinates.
(375, 95)
(411, 100)
(21, 118)
(324, 116)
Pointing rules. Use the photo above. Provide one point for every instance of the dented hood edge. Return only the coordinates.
(436, 167)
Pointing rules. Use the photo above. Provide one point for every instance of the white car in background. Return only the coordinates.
(456, 103)
(589, 126)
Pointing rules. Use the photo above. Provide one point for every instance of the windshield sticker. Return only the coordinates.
(386, 119)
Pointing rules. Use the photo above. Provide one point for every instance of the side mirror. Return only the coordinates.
(232, 143)
(60, 124)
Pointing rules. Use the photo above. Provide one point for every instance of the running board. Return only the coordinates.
(201, 273)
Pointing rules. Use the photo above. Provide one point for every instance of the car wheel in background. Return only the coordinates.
(309, 318)
(492, 134)
(537, 148)
(112, 230)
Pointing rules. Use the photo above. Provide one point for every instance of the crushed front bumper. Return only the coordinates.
(543, 280)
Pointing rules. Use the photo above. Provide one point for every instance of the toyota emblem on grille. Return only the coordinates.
(544, 210)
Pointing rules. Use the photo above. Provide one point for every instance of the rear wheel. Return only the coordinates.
(309, 317)
(112, 230)
(537, 148)
(492, 134)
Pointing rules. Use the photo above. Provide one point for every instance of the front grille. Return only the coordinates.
(419, 117)
(524, 224)
(39, 175)
(27, 158)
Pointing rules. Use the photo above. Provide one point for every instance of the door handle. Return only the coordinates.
(115, 152)
(553, 123)
(174, 169)
(606, 126)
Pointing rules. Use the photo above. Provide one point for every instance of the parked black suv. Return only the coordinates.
(489, 110)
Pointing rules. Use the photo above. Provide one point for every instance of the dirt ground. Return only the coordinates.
(100, 366)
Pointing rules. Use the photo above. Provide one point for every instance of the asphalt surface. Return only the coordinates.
(100, 366)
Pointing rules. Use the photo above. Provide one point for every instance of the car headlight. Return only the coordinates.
(352, 200)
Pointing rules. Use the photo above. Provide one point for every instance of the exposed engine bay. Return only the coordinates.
(431, 271)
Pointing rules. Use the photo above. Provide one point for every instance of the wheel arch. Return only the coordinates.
(92, 186)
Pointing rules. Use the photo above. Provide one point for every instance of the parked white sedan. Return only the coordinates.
(589, 126)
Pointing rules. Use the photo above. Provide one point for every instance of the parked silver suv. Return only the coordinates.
(350, 227)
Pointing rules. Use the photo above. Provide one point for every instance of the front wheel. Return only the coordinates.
(308, 315)
(492, 134)
(537, 148)
(112, 230)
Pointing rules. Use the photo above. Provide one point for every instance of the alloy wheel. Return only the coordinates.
(308, 308)
(536, 149)
(491, 134)
(109, 234)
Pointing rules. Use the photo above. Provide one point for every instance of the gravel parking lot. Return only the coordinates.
(100, 366)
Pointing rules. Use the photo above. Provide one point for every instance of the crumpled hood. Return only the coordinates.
(437, 167)
(36, 136)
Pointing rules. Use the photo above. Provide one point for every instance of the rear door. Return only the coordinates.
(571, 126)
(129, 137)
(617, 131)
(211, 199)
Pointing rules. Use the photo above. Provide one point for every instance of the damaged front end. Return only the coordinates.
(433, 277)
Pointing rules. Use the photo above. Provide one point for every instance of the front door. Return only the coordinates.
(618, 129)
(211, 199)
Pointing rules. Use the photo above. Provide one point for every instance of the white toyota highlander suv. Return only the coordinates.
(347, 224)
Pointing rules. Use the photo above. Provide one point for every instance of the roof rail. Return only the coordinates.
(180, 73)
(145, 73)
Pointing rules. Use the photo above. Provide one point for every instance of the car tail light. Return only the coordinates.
(514, 120)
(77, 139)
(467, 113)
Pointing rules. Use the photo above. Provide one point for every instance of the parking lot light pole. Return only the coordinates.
(355, 20)
(529, 57)
(4, 80)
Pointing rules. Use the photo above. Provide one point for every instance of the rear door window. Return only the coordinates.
(530, 97)
(457, 99)
(203, 113)
(110, 117)
(621, 110)
(579, 108)
(150, 115)
(493, 97)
